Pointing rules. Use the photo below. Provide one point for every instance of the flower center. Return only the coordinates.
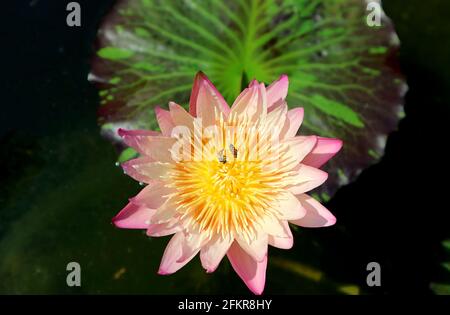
(220, 198)
(230, 189)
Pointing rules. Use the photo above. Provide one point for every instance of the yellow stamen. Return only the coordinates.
(230, 192)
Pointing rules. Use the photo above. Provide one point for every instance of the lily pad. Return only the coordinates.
(341, 70)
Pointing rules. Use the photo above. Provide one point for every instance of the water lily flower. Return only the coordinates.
(227, 181)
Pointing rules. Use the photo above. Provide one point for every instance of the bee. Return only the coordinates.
(222, 157)
(233, 150)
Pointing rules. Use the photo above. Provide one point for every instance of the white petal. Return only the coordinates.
(213, 252)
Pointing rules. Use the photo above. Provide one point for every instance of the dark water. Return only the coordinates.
(60, 186)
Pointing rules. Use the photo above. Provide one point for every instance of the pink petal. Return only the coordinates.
(149, 144)
(171, 262)
(180, 116)
(307, 178)
(297, 149)
(131, 136)
(192, 244)
(293, 122)
(213, 252)
(146, 170)
(316, 216)
(201, 80)
(253, 83)
(257, 248)
(276, 105)
(276, 119)
(251, 272)
(162, 229)
(164, 121)
(251, 102)
(137, 138)
(324, 150)
(207, 107)
(153, 195)
(289, 207)
(277, 90)
(130, 168)
(133, 217)
(165, 213)
(283, 242)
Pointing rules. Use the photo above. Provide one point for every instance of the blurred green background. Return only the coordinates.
(60, 186)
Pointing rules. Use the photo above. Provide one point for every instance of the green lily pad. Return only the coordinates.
(341, 70)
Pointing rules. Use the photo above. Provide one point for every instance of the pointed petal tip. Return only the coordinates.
(335, 143)
(114, 221)
(253, 83)
(118, 223)
(162, 272)
(252, 273)
(283, 77)
(277, 90)
(325, 149)
(257, 291)
(172, 105)
(201, 77)
(200, 73)
(339, 144)
(318, 215)
(299, 114)
(121, 132)
(133, 216)
(201, 80)
(331, 221)
(281, 242)
(125, 167)
(323, 177)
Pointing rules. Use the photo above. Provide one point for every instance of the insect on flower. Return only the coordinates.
(235, 190)
(222, 157)
(233, 151)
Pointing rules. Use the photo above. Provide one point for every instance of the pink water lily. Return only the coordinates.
(227, 181)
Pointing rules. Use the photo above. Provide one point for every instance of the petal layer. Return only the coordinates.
(277, 90)
(257, 248)
(297, 149)
(163, 229)
(316, 214)
(149, 144)
(289, 207)
(253, 273)
(133, 217)
(252, 102)
(283, 242)
(306, 179)
(209, 94)
(171, 261)
(324, 150)
(146, 170)
(213, 252)
(294, 119)
(153, 195)
(165, 121)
